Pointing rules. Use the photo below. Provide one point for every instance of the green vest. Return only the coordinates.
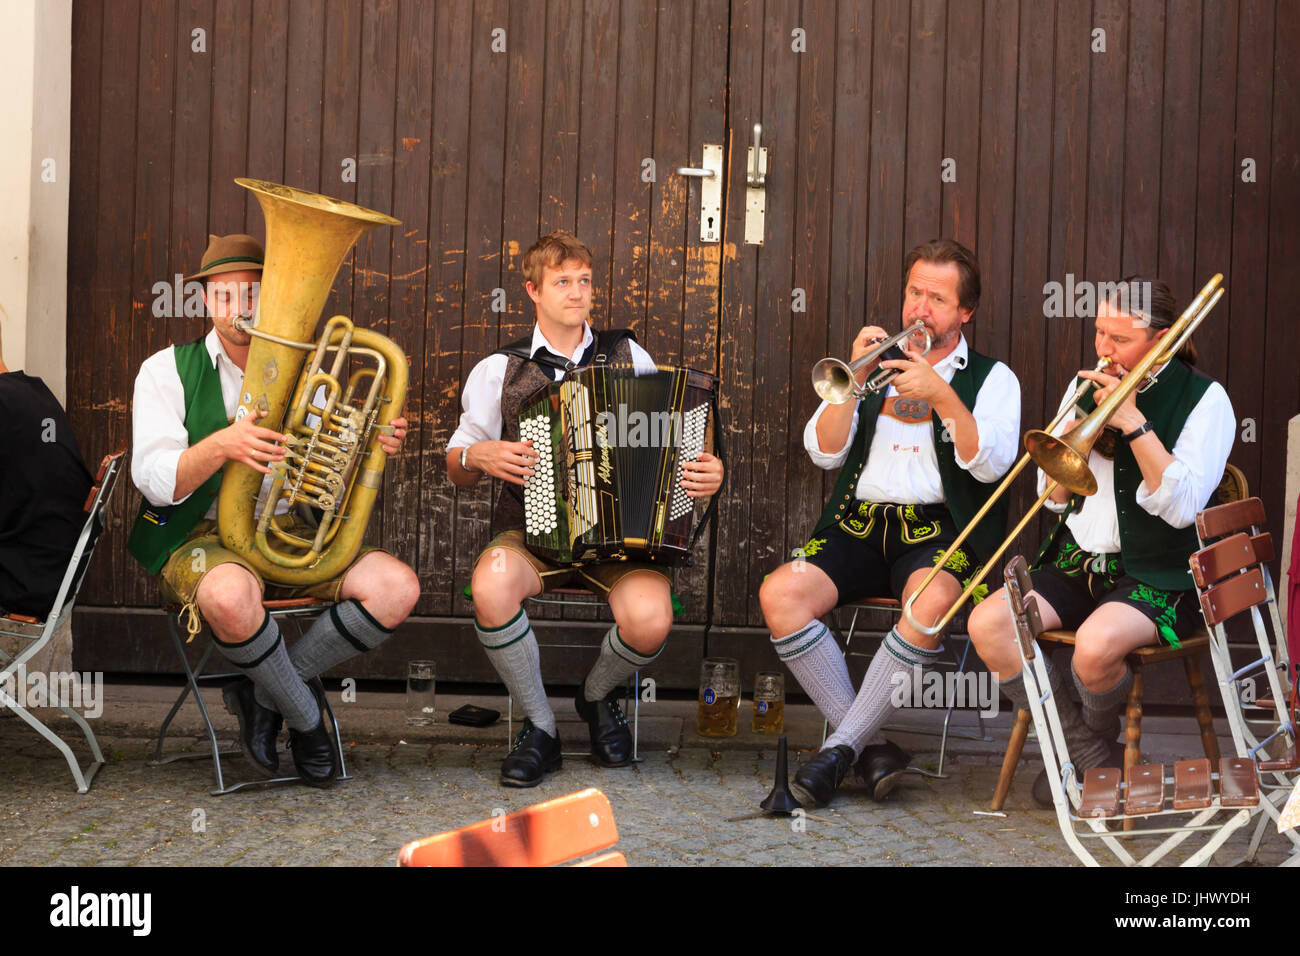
(1153, 552)
(963, 493)
(158, 531)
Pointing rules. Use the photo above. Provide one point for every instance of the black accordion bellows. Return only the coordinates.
(612, 443)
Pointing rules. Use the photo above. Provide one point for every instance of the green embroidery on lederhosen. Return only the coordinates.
(913, 530)
(859, 523)
(813, 546)
(1070, 559)
(1164, 621)
(959, 563)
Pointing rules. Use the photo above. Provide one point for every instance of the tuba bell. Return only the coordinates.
(333, 462)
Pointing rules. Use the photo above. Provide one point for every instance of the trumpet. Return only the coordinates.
(834, 380)
(1064, 459)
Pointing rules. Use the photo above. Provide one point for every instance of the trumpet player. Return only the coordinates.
(182, 436)
(1114, 567)
(915, 460)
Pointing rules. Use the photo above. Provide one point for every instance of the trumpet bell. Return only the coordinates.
(832, 381)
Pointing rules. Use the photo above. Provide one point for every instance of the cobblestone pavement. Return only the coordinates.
(678, 806)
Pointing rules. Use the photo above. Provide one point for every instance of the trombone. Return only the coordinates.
(833, 380)
(1065, 459)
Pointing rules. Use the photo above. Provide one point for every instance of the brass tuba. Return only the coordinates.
(335, 465)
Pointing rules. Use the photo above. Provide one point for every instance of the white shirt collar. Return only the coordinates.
(957, 358)
(212, 342)
(540, 342)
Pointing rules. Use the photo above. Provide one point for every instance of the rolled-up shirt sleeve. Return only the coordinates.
(1200, 454)
(997, 420)
(480, 419)
(820, 458)
(158, 434)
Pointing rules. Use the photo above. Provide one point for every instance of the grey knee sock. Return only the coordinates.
(1101, 710)
(616, 663)
(814, 658)
(341, 633)
(874, 703)
(1087, 750)
(264, 659)
(512, 649)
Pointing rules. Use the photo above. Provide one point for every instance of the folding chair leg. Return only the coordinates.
(1011, 759)
(83, 780)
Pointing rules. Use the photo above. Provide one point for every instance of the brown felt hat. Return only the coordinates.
(229, 254)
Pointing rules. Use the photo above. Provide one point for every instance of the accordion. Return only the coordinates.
(611, 445)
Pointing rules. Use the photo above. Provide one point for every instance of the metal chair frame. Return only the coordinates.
(295, 609)
(40, 633)
(1261, 728)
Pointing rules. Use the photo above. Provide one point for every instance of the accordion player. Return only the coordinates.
(611, 444)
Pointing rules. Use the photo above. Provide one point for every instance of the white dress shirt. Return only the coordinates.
(158, 435)
(902, 466)
(1200, 454)
(481, 397)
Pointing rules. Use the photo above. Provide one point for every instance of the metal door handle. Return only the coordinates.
(692, 171)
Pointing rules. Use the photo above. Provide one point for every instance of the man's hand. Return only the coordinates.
(916, 377)
(866, 340)
(392, 444)
(702, 477)
(250, 444)
(1126, 417)
(511, 461)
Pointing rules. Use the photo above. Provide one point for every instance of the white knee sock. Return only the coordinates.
(814, 658)
(874, 705)
(512, 649)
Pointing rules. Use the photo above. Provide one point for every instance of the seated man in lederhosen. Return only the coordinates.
(185, 397)
(557, 274)
(1114, 568)
(916, 461)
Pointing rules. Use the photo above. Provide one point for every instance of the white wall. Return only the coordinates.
(35, 126)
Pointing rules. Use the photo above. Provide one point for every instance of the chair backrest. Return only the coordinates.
(541, 835)
(1223, 520)
(97, 502)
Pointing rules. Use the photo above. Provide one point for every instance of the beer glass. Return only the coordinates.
(769, 703)
(421, 693)
(719, 697)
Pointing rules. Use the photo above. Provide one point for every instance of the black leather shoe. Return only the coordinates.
(259, 727)
(534, 754)
(314, 755)
(881, 768)
(817, 778)
(611, 740)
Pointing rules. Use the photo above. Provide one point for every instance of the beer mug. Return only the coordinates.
(769, 703)
(719, 697)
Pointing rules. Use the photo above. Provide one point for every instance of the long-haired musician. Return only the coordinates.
(916, 462)
(1114, 567)
(557, 272)
(182, 436)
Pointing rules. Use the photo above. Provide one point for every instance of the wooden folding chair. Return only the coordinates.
(1188, 799)
(1234, 583)
(545, 834)
(295, 608)
(40, 633)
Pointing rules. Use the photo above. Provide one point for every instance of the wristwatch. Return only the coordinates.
(464, 462)
(1138, 432)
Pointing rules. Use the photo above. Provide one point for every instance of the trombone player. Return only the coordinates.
(916, 460)
(1114, 567)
